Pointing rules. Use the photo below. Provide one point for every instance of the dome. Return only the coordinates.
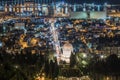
(67, 50)
(67, 46)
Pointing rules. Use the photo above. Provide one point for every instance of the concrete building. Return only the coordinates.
(59, 9)
(33, 8)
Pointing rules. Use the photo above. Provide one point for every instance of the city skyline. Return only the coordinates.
(73, 1)
(59, 39)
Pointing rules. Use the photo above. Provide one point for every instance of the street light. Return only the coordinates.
(101, 56)
(84, 55)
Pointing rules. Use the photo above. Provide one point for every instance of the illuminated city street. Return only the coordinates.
(59, 40)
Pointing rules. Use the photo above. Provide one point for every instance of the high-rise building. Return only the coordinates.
(37, 7)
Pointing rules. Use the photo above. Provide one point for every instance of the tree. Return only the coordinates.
(72, 60)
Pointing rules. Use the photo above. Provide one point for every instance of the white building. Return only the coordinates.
(67, 50)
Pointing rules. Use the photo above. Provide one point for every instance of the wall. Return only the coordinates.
(93, 15)
(98, 15)
(78, 15)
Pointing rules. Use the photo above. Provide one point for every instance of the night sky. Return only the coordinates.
(83, 1)
(95, 1)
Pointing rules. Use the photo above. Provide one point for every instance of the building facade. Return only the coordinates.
(37, 9)
(56, 9)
